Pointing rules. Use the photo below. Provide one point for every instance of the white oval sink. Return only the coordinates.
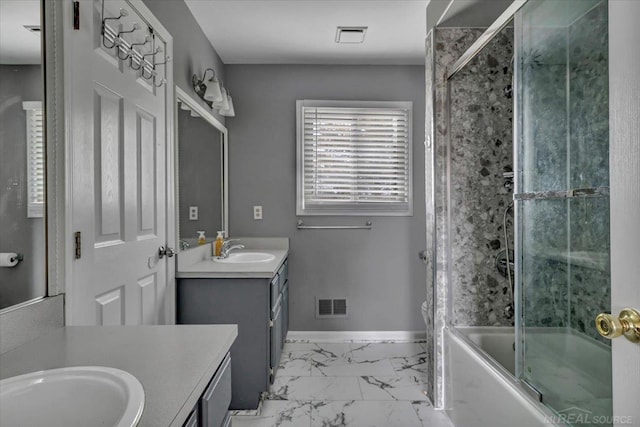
(245, 257)
(75, 396)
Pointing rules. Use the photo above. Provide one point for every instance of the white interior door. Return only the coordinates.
(624, 99)
(117, 153)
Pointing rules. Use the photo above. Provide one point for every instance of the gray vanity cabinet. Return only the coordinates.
(212, 409)
(193, 419)
(260, 310)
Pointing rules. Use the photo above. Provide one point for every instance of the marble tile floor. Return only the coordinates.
(348, 384)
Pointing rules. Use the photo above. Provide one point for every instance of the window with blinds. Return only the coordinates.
(354, 158)
(35, 159)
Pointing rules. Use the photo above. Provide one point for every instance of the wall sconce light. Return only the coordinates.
(229, 111)
(213, 93)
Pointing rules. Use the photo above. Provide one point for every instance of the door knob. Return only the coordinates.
(169, 252)
(423, 256)
(627, 323)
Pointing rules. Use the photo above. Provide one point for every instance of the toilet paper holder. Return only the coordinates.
(17, 258)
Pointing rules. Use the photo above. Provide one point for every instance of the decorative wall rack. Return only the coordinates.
(141, 54)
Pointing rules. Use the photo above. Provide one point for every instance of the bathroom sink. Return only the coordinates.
(75, 396)
(245, 257)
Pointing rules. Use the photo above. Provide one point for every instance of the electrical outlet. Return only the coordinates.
(193, 213)
(257, 212)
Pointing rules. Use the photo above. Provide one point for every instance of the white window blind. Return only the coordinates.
(35, 159)
(354, 158)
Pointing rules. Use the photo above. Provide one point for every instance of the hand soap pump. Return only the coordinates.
(201, 238)
(219, 243)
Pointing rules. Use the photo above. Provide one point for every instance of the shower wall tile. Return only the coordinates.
(444, 47)
(589, 100)
(429, 214)
(544, 102)
(544, 272)
(565, 267)
(590, 264)
(481, 134)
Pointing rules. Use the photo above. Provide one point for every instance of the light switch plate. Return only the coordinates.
(193, 213)
(257, 212)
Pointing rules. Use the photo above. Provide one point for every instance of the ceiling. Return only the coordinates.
(17, 44)
(304, 31)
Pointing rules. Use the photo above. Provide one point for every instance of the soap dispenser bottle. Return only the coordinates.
(219, 243)
(201, 238)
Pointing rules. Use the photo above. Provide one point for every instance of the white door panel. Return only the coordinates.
(118, 149)
(624, 99)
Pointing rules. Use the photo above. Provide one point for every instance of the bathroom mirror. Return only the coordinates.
(201, 172)
(22, 144)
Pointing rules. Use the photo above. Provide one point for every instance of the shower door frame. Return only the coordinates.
(443, 314)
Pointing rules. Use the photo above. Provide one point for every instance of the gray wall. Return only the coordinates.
(199, 171)
(18, 233)
(192, 51)
(378, 270)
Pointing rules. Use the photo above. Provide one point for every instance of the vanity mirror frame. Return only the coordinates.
(184, 97)
(56, 241)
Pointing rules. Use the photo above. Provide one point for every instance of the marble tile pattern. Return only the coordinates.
(349, 384)
(480, 151)
(429, 163)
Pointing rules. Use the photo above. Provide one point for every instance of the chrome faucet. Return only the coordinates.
(228, 246)
(184, 245)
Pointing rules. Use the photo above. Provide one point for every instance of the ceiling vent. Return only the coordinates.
(350, 34)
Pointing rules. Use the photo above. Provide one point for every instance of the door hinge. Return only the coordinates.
(78, 242)
(271, 323)
(76, 15)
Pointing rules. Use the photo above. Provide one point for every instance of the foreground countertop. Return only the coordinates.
(197, 263)
(174, 363)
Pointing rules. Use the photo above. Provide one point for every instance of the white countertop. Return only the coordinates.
(174, 363)
(197, 263)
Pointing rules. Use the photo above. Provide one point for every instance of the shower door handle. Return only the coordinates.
(627, 323)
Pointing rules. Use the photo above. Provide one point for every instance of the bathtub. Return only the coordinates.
(482, 388)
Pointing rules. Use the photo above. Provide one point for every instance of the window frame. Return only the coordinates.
(351, 208)
(35, 209)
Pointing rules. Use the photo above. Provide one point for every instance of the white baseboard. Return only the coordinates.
(356, 336)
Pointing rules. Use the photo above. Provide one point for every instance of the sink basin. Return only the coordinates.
(75, 396)
(245, 257)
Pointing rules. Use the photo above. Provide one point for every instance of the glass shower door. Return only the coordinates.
(562, 201)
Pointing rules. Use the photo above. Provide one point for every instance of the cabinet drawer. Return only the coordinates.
(285, 312)
(281, 273)
(192, 421)
(275, 290)
(215, 401)
(276, 341)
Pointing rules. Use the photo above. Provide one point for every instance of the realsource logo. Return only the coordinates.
(578, 416)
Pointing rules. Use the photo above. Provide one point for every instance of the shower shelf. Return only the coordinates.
(564, 194)
(589, 259)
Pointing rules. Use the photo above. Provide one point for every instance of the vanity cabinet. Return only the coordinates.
(260, 308)
(212, 409)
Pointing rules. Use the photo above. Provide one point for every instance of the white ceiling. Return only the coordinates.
(303, 31)
(17, 44)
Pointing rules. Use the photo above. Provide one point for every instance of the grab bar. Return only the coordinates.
(367, 226)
